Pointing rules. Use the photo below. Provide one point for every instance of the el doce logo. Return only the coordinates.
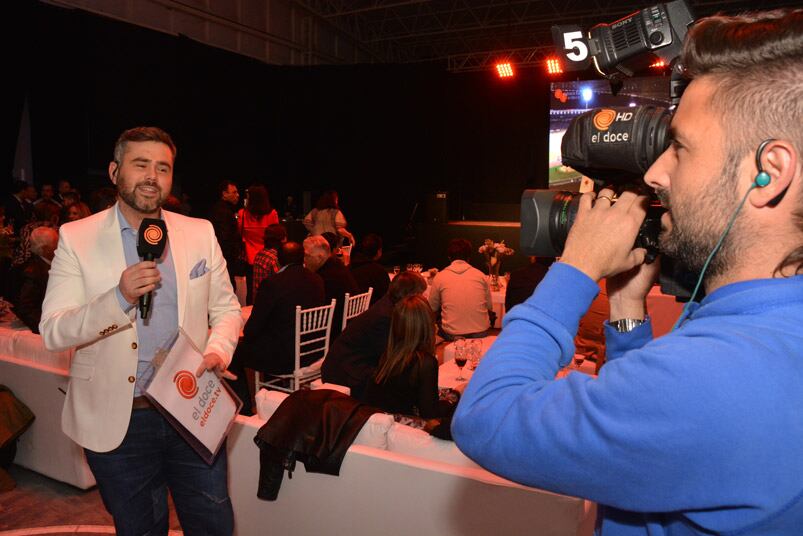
(604, 118)
(185, 383)
(153, 234)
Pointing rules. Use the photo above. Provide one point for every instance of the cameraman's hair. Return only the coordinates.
(138, 134)
(756, 61)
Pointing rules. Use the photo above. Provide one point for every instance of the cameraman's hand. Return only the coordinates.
(600, 243)
(627, 292)
(138, 279)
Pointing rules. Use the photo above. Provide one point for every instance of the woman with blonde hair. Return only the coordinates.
(406, 381)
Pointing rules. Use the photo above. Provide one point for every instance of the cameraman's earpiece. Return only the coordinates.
(763, 178)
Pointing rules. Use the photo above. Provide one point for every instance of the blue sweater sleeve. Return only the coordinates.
(619, 439)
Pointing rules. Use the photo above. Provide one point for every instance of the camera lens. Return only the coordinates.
(548, 215)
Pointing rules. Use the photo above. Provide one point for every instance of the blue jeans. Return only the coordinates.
(133, 480)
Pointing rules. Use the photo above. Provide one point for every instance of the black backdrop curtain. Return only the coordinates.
(384, 136)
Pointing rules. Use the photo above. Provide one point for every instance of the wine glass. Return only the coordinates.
(460, 358)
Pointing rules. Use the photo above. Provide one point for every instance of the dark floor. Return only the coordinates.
(39, 502)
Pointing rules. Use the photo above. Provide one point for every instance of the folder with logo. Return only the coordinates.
(201, 409)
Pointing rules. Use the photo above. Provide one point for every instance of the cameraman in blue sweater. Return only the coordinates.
(699, 431)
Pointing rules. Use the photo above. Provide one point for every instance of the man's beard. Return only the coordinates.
(145, 206)
(698, 223)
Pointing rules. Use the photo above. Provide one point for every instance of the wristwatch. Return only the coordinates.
(626, 325)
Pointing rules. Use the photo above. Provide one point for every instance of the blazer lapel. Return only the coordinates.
(178, 250)
(111, 254)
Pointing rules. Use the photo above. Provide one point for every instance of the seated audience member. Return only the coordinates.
(353, 357)
(31, 277)
(22, 251)
(406, 380)
(462, 295)
(524, 280)
(75, 211)
(337, 280)
(65, 188)
(46, 208)
(366, 269)
(265, 262)
(268, 343)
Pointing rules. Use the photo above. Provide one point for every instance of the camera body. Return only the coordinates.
(614, 145)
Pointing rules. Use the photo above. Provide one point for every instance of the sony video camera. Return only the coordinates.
(614, 145)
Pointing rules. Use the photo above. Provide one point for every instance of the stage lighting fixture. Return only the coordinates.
(504, 70)
(587, 94)
(553, 66)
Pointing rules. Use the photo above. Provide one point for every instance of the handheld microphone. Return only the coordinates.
(151, 242)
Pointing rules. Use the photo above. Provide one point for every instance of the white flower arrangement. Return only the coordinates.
(495, 249)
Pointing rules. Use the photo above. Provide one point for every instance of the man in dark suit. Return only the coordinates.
(354, 356)
(524, 280)
(224, 221)
(268, 343)
(337, 280)
(31, 277)
(19, 205)
(366, 270)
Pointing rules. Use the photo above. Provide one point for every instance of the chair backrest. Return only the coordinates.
(313, 327)
(356, 305)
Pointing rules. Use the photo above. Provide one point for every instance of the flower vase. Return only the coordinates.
(493, 272)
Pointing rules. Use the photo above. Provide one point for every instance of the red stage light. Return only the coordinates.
(660, 64)
(553, 66)
(505, 70)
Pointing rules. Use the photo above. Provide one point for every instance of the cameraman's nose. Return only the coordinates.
(657, 177)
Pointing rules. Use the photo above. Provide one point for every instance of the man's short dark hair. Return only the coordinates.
(459, 249)
(275, 236)
(290, 253)
(370, 245)
(140, 134)
(406, 284)
(223, 187)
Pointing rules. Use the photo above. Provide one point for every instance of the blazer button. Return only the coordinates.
(133, 346)
(131, 379)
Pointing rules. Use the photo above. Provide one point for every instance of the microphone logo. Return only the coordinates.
(604, 118)
(153, 234)
(185, 384)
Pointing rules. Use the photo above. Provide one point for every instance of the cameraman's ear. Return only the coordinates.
(781, 161)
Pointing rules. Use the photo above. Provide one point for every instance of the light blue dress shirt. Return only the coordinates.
(161, 326)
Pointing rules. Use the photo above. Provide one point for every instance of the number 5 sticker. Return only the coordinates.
(574, 41)
(572, 44)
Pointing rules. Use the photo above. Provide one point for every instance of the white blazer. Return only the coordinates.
(81, 310)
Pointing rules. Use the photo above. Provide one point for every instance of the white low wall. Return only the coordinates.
(381, 492)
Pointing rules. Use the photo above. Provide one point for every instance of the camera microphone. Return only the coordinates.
(151, 242)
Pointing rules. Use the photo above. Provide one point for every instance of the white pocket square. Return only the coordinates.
(199, 269)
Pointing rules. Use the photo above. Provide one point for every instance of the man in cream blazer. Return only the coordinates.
(94, 285)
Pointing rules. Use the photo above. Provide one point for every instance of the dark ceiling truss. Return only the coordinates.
(468, 34)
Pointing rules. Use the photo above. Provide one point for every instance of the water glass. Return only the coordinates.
(475, 353)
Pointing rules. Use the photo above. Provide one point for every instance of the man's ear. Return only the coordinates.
(113, 169)
(780, 161)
